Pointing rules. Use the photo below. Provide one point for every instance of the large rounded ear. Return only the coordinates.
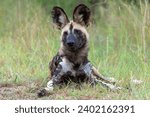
(59, 17)
(81, 15)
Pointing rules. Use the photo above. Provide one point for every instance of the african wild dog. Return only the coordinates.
(71, 62)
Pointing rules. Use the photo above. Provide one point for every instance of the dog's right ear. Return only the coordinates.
(59, 17)
(81, 15)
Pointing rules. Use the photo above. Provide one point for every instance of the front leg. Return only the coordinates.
(63, 68)
(49, 88)
(56, 79)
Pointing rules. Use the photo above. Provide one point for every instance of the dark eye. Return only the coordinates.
(78, 32)
(65, 33)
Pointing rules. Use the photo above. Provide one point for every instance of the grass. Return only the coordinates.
(119, 47)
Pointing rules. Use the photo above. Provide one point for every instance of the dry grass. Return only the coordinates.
(119, 47)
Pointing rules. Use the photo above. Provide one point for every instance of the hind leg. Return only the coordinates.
(101, 77)
(95, 78)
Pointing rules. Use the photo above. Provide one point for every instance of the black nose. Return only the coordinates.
(70, 43)
(71, 40)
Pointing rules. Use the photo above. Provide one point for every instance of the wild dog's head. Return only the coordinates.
(74, 35)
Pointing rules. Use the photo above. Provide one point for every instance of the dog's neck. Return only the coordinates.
(78, 57)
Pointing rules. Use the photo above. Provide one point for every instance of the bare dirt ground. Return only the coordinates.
(13, 92)
(28, 91)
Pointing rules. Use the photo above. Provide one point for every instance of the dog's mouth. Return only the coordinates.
(72, 48)
(75, 48)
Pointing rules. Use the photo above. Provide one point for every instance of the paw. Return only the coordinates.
(111, 80)
(42, 93)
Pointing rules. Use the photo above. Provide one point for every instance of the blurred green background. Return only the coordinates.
(119, 44)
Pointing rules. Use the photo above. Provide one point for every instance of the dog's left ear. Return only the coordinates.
(81, 15)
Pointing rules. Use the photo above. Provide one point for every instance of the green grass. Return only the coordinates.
(119, 47)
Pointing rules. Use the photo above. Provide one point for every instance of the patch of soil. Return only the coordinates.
(28, 91)
(14, 91)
